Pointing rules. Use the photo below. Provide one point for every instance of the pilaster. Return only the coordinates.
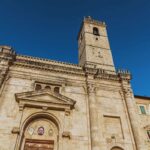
(134, 118)
(93, 117)
(7, 56)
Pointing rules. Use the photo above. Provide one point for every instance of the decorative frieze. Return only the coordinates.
(66, 68)
(89, 71)
(124, 75)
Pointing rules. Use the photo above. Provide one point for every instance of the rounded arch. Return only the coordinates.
(116, 148)
(33, 118)
(95, 31)
(38, 115)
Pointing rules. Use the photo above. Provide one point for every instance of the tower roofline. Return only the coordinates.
(89, 19)
(5, 46)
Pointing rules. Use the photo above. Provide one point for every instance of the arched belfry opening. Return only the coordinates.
(95, 31)
(39, 132)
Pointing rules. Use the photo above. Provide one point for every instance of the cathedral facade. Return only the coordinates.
(51, 105)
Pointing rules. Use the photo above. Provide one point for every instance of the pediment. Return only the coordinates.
(44, 98)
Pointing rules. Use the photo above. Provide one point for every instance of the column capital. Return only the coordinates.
(128, 92)
(91, 88)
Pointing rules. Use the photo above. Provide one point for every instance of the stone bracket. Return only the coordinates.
(66, 134)
(67, 112)
(15, 130)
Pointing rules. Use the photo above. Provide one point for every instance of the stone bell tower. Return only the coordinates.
(93, 45)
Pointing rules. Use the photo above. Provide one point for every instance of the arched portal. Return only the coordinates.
(116, 148)
(40, 133)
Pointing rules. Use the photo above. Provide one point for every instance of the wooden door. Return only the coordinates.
(38, 145)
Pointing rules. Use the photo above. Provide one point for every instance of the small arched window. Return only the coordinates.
(38, 87)
(95, 31)
(56, 89)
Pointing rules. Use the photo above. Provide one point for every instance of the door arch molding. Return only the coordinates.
(32, 118)
(116, 148)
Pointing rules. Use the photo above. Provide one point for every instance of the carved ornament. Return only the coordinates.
(16, 130)
(128, 92)
(91, 88)
(66, 134)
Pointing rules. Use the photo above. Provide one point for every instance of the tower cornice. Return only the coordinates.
(90, 20)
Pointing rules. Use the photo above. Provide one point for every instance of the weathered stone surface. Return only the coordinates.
(65, 106)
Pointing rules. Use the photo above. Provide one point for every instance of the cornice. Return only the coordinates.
(93, 21)
(48, 65)
(103, 74)
(46, 61)
(80, 71)
(63, 67)
(90, 21)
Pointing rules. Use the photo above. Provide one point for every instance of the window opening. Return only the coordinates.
(142, 108)
(95, 31)
(38, 87)
(56, 89)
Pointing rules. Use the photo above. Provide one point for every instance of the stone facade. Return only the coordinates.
(50, 105)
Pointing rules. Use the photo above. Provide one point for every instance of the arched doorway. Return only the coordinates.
(116, 148)
(40, 133)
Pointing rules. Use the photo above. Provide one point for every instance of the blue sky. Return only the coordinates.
(48, 28)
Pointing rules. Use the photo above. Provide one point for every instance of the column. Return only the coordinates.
(93, 118)
(134, 119)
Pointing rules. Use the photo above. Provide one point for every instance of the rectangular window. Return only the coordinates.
(148, 133)
(142, 108)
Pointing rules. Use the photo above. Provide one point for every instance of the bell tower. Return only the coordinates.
(93, 45)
